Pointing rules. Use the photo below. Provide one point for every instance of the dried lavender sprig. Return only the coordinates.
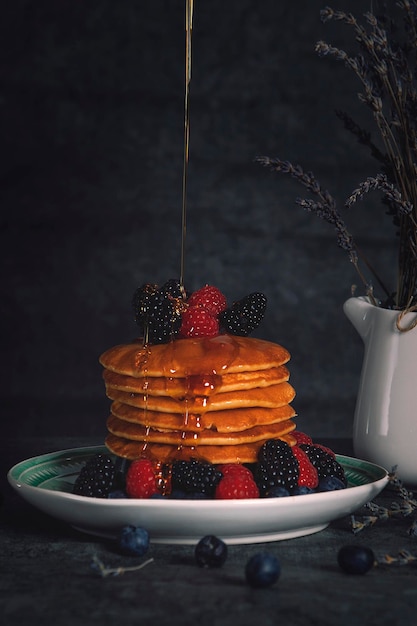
(392, 195)
(370, 96)
(363, 136)
(406, 507)
(387, 69)
(105, 571)
(325, 209)
(378, 76)
(404, 557)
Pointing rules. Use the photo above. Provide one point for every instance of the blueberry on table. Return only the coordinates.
(355, 559)
(210, 551)
(133, 540)
(262, 570)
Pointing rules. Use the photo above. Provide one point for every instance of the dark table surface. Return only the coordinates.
(46, 574)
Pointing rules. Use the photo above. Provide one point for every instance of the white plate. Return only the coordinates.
(46, 482)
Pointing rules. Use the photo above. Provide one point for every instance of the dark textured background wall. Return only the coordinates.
(91, 119)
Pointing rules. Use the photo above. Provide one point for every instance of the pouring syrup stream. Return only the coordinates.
(189, 8)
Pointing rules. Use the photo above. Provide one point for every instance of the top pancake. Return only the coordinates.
(194, 357)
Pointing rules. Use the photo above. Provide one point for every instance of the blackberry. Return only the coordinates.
(95, 479)
(141, 302)
(277, 467)
(157, 312)
(195, 477)
(325, 464)
(173, 288)
(244, 315)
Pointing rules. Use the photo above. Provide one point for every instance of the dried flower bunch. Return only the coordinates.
(386, 66)
(404, 507)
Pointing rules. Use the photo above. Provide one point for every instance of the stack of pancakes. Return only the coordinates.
(216, 399)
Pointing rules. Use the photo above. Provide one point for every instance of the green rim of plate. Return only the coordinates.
(41, 471)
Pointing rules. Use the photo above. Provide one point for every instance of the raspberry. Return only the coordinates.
(197, 322)
(301, 437)
(195, 477)
(244, 315)
(324, 462)
(96, 477)
(236, 469)
(210, 298)
(277, 466)
(236, 487)
(141, 481)
(308, 476)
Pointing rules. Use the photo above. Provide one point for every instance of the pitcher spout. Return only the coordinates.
(359, 311)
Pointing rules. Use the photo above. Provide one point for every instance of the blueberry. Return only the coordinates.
(177, 494)
(330, 483)
(210, 551)
(277, 492)
(355, 559)
(117, 494)
(262, 570)
(302, 490)
(134, 540)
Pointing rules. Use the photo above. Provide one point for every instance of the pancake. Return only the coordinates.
(181, 387)
(194, 357)
(233, 420)
(217, 399)
(164, 453)
(272, 397)
(205, 437)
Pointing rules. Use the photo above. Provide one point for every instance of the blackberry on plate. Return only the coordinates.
(245, 315)
(96, 477)
(277, 467)
(325, 464)
(195, 477)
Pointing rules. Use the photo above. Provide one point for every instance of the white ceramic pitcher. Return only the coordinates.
(385, 421)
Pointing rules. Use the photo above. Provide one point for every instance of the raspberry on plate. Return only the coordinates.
(235, 469)
(141, 480)
(236, 487)
(210, 298)
(301, 437)
(308, 476)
